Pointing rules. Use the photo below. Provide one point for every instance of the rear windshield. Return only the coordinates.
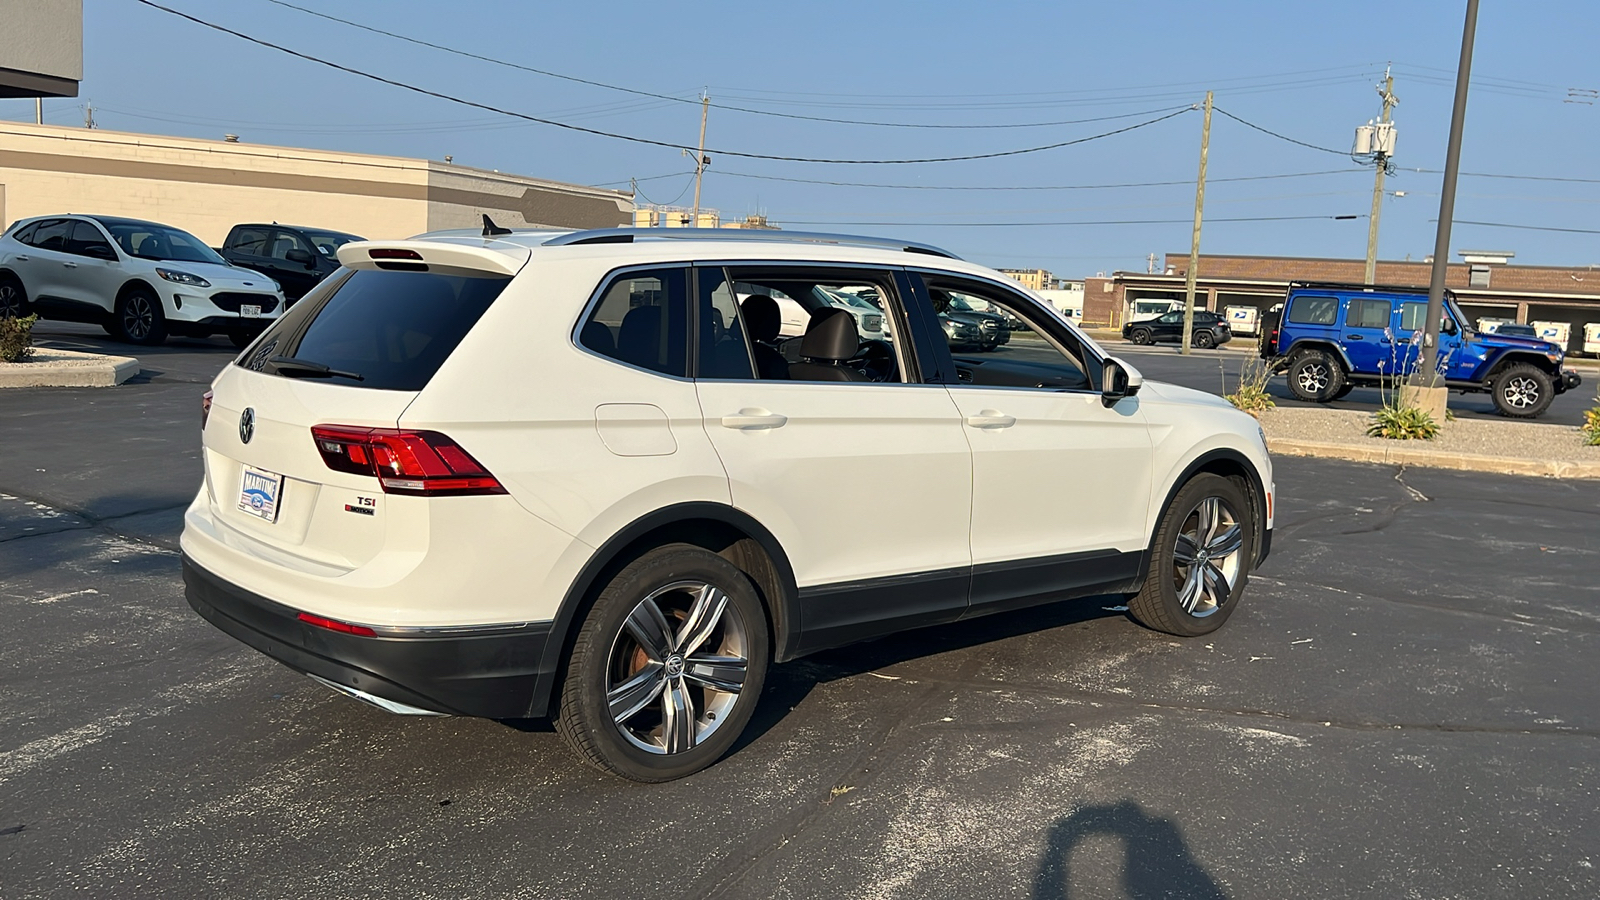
(393, 329)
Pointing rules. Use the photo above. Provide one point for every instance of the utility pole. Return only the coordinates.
(38, 110)
(1447, 208)
(1150, 264)
(88, 114)
(1194, 244)
(1381, 159)
(700, 158)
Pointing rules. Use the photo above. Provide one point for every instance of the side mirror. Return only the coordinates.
(1448, 326)
(1118, 380)
(300, 256)
(100, 251)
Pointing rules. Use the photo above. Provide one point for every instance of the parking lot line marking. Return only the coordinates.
(55, 597)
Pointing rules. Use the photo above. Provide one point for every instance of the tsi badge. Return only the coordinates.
(247, 425)
(364, 506)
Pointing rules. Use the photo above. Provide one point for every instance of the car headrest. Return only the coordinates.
(830, 336)
(639, 339)
(762, 320)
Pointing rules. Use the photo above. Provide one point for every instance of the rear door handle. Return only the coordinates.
(70, 265)
(991, 418)
(21, 258)
(1354, 337)
(754, 420)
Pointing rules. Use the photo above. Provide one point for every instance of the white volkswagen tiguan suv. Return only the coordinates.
(140, 280)
(567, 474)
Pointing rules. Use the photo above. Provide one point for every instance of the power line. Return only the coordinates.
(640, 140)
(1277, 135)
(642, 93)
(1041, 187)
(637, 180)
(686, 186)
(1526, 227)
(1055, 224)
(1499, 175)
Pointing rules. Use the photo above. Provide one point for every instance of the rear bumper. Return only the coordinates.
(493, 673)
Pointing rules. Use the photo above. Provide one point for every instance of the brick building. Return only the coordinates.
(1485, 289)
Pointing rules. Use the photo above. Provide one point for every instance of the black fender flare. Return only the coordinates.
(1513, 356)
(784, 608)
(1317, 344)
(1257, 494)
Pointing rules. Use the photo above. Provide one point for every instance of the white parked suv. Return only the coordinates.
(567, 474)
(140, 280)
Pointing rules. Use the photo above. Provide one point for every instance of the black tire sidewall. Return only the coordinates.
(1335, 379)
(1158, 577)
(584, 714)
(158, 318)
(1203, 340)
(1140, 336)
(1547, 391)
(21, 294)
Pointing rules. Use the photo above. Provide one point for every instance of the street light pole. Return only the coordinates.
(1447, 205)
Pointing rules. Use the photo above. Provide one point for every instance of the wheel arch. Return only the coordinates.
(1229, 463)
(133, 284)
(721, 529)
(1301, 345)
(1512, 357)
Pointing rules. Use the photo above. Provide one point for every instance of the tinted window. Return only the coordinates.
(329, 242)
(642, 320)
(85, 238)
(394, 329)
(724, 351)
(25, 233)
(249, 240)
(1368, 314)
(52, 235)
(1314, 311)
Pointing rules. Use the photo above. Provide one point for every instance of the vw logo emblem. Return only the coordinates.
(247, 425)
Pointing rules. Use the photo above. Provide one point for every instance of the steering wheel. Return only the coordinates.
(876, 360)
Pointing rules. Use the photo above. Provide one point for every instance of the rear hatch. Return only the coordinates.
(346, 361)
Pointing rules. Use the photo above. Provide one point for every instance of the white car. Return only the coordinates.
(140, 280)
(535, 474)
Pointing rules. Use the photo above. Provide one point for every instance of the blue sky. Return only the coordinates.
(1306, 70)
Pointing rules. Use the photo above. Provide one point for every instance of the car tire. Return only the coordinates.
(13, 298)
(1210, 523)
(1315, 376)
(1343, 391)
(1204, 340)
(1141, 336)
(138, 318)
(1522, 391)
(629, 679)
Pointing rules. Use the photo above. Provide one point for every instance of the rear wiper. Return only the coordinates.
(290, 367)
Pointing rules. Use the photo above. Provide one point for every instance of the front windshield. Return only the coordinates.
(957, 303)
(149, 241)
(329, 242)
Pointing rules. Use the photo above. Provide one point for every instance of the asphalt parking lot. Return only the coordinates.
(1405, 706)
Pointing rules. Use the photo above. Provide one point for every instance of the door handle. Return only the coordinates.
(21, 258)
(1354, 337)
(754, 420)
(70, 265)
(991, 418)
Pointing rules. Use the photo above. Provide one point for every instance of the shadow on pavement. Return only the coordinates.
(1155, 860)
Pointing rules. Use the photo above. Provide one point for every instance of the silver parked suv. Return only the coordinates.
(140, 280)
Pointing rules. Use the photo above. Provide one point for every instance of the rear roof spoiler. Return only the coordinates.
(441, 255)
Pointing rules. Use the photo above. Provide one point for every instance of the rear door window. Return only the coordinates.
(393, 329)
(1368, 314)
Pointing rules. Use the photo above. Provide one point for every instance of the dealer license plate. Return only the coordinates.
(259, 492)
(250, 310)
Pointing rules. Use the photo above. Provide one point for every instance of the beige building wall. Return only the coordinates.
(207, 187)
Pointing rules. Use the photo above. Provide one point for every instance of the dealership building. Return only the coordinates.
(207, 186)
(1486, 284)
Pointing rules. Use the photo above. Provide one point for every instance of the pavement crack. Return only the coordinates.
(94, 522)
(1416, 495)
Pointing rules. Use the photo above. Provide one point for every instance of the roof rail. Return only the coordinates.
(1352, 286)
(629, 235)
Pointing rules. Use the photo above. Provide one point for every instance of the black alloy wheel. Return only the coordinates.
(1205, 340)
(1141, 336)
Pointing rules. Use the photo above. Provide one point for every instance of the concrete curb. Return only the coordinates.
(1434, 459)
(68, 368)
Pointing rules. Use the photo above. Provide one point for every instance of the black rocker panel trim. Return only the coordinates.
(1015, 584)
(833, 615)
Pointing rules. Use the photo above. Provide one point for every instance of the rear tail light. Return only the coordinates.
(205, 409)
(419, 463)
(336, 625)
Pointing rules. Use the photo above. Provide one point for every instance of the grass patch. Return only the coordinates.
(1251, 395)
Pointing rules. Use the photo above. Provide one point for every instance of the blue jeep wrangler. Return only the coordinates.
(1330, 338)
